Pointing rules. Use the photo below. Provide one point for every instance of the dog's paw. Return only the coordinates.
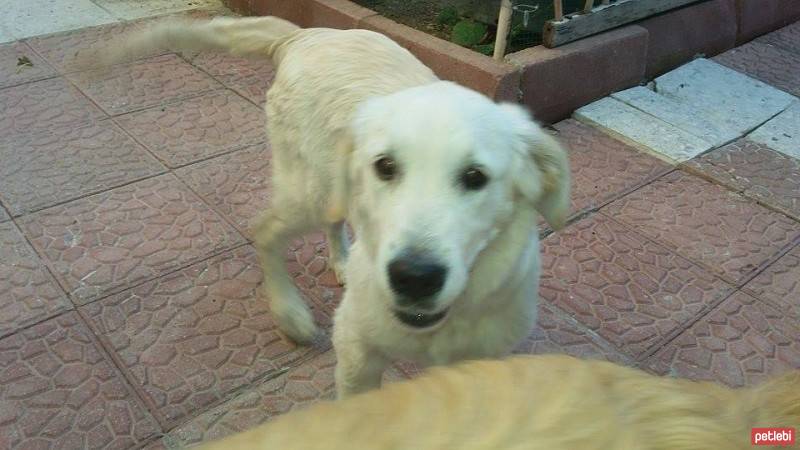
(297, 322)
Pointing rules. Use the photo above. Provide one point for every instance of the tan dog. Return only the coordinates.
(551, 402)
(442, 186)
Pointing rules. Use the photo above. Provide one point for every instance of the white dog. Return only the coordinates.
(441, 185)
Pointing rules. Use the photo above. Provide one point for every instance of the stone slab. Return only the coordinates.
(642, 130)
(741, 102)
(23, 19)
(781, 133)
(679, 114)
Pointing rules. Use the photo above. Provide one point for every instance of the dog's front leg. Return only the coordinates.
(359, 368)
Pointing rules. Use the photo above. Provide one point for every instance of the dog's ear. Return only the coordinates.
(542, 176)
(340, 191)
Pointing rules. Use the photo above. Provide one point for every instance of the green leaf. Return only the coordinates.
(468, 33)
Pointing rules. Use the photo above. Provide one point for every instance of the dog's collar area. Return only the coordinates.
(420, 320)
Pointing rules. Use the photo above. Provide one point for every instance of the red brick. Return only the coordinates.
(675, 37)
(291, 10)
(452, 62)
(557, 81)
(341, 14)
(757, 17)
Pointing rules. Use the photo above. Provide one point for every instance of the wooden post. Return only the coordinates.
(503, 25)
(587, 7)
(559, 8)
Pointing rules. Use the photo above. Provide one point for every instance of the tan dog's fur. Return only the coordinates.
(343, 100)
(551, 402)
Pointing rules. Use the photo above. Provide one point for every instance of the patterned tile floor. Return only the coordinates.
(130, 315)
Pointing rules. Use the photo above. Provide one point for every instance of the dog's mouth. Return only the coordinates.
(420, 320)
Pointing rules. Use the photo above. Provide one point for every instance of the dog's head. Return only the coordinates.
(435, 173)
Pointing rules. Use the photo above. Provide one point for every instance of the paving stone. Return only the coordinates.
(642, 130)
(3, 214)
(28, 293)
(725, 232)
(44, 105)
(757, 171)
(107, 242)
(36, 17)
(787, 38)
(557, 332)
(780, 284)
(677, 114)
(197, 128)
(134, 9)
(5, 35)
(727, 96)
(771, 64)
(58, 391)
(741, 343)
(298, 388)
(603, 168)
(308, 264)
(150, 82)
(782, 132)
(45, 168)
(192, 337)
(61, 49)
(236, 184)
(19, 64)
(632, 292)
(250, 78)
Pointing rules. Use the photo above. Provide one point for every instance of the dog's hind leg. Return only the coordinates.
(338, 244)
(273, 231)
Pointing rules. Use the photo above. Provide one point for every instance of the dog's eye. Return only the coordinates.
(385, 168)
(473, 179)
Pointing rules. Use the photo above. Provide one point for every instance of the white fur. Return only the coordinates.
(340, 99)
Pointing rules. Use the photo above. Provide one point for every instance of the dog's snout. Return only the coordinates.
(416, 278)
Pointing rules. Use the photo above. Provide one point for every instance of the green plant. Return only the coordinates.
(468, 33)
(448, 16)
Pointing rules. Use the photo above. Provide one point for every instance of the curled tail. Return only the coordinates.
(242, 36)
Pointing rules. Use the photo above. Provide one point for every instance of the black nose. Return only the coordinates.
(416, 277)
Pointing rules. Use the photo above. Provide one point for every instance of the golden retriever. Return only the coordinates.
(552, 402)
(442, 186)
